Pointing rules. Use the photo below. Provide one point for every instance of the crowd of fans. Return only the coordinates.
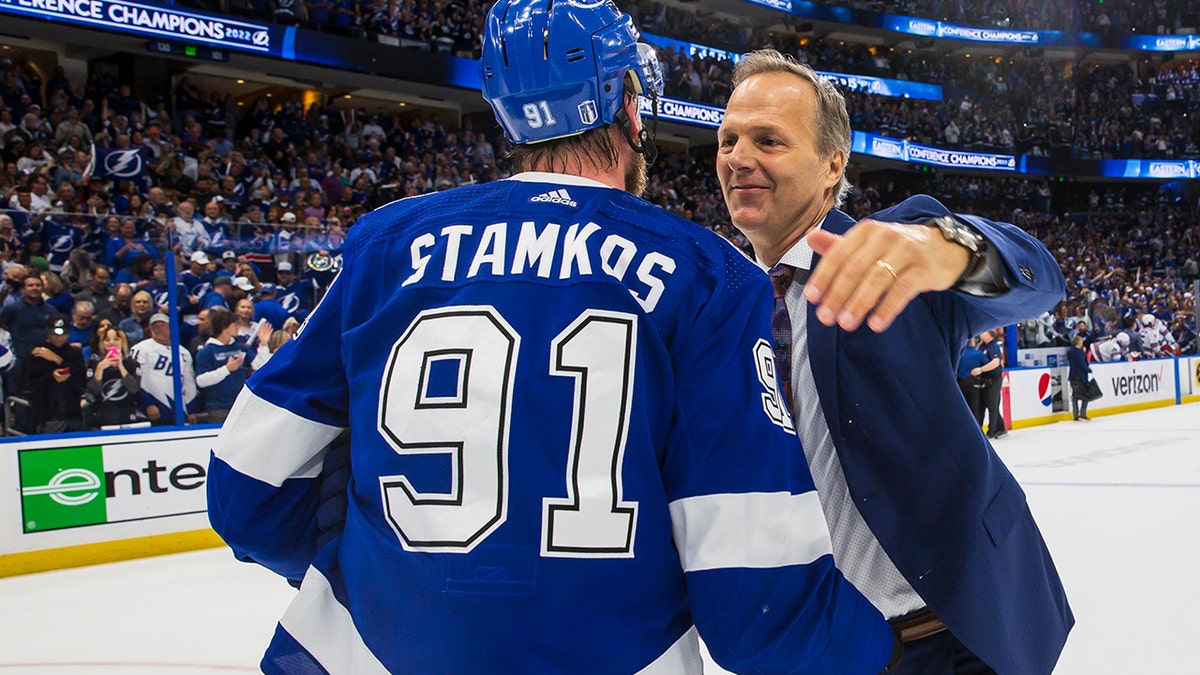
(1063, 109)
(254, 203)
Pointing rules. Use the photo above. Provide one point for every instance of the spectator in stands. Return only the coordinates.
(190, 235)
(153, 355)
(216, 228)
(135, 325)
(52, 377)
(97, 291)
(139, 274)
(121, 251)
(26, 320)
(122, 304)
(223, 363)
(56, 293)
(83, 316)
(294, 294)
(243, 312)
(113, 381)
(229, 263)
(10, 243)
(203, 332)
(266, 307)
(220, 295)
(77, 272)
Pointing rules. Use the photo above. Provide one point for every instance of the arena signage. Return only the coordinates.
(898, 149)
(111, 480)
(685, 111)
(1164, 43)
(879, 86)
(941, 29)
(149, 20)
(1150, 168)
(1135, 384)
(781, 5)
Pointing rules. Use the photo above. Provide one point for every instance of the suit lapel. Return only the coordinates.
(823, 344)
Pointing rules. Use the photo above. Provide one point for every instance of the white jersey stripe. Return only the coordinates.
(323, 627)
(296, 445)
(683, 658)
(752, 530)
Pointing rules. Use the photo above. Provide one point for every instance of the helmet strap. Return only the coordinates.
(645, 144)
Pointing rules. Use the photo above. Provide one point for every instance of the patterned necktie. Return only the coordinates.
(782, 277)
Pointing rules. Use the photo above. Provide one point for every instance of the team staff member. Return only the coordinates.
(925, 519)
(563, 403)
(969, 383)
(992, 372)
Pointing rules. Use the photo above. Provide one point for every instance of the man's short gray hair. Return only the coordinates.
(833, 122)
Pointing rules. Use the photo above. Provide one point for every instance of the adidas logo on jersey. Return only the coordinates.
(555, 197)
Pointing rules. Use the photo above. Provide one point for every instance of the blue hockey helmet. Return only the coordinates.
(556, 68)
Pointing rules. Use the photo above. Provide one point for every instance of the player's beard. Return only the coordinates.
(635, 173)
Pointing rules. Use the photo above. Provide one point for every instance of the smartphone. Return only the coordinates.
(114, 352)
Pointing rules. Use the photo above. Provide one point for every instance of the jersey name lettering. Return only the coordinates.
(547, 251)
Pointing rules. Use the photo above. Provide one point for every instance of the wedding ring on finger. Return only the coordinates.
(890, 270)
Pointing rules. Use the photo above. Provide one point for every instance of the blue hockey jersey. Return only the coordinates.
(568, 453)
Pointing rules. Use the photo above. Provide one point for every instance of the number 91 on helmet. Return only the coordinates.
(556, 68)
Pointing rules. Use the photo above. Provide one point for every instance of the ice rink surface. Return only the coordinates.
(1117, 498)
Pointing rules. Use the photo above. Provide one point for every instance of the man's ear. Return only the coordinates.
(629, 104)
(836, 167)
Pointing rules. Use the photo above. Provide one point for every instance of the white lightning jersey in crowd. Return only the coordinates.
(568, 453)
(1157, 340)
(158, 380)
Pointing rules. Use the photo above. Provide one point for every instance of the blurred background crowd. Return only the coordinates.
(253, 195)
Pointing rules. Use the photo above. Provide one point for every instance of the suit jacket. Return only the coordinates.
(927, 482)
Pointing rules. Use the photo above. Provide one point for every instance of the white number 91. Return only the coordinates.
(538, 115)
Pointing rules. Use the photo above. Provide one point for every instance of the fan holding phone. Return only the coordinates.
(113, 381)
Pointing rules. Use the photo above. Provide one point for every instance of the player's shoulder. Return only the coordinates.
(712, 255)
(395, 218)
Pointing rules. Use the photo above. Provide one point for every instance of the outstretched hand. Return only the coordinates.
(876, 269)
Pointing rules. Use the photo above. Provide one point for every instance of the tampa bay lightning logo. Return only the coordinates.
(114, 391)
(291, 303)
(587, 112)
(63, 243)
(161, 299)
(123, 163)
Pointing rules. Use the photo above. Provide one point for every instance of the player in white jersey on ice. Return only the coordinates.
(569, 452)
(1115, 348)
(1157, 340)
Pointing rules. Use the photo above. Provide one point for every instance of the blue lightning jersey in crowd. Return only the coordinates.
(568, 453)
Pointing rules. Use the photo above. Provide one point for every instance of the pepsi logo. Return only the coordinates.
(1043, 389)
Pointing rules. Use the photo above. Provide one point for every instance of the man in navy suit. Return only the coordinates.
(926, 521)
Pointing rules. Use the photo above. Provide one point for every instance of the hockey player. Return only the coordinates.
(1109, 349)
(1157, 340)
(569, 452)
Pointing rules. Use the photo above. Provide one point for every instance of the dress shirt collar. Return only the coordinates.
(800, 255)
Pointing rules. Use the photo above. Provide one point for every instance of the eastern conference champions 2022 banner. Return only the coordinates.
(150, 20)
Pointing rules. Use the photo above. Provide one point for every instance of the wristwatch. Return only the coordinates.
(956, 231)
